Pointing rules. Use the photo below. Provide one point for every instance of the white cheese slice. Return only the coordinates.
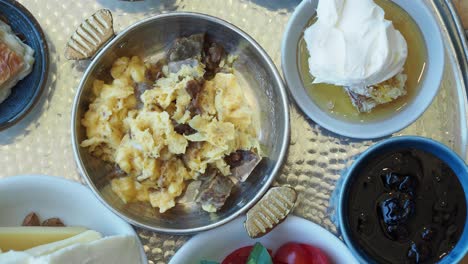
(87, 236)
(75, 250)
(15, 257)
(112, 250)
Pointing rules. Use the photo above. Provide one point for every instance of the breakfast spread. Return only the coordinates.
(64, 245)
(179, 124)
(16, 60)
(406, 206)
(288, 253)
(180, 130)
(357, 64)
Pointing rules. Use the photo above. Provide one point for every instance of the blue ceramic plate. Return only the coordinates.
(26, 92)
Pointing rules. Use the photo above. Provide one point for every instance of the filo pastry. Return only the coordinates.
(16, 60)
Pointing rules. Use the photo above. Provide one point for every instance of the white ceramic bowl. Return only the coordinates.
(72, 202)
(217, 243)
(430, 30)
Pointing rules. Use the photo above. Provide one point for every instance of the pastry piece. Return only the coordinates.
(362, 103)
(367, 98)
(90, 36)
(11, 63)
(16, 60)
(270, 211)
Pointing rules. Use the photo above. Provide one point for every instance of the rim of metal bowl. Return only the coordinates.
(284, 141)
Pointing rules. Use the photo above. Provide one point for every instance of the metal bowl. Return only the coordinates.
(150, 37)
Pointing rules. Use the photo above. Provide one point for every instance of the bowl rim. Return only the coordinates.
(370, 129)
(445, 154)
(284, 140)
(45, 66)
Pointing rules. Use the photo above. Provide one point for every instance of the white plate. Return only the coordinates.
(50, 196)
(216, 244)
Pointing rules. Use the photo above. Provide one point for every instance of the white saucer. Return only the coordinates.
(50, 196)
(219, 242)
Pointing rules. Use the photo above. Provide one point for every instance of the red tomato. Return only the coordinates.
(316, 255)
(291, 253)
(240, 256)
(297, 253)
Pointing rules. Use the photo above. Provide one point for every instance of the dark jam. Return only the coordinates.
(406, 207)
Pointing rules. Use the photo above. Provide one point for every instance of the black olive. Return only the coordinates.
(419, 252)
(427, 233)
(398, 182)
(396, 209)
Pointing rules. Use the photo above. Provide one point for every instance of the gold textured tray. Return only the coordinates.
(41, 142)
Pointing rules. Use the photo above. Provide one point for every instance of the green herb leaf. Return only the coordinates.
(208, 262)
(259, 255)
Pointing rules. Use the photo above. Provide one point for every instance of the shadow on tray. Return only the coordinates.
(277, 5)
(139, 6)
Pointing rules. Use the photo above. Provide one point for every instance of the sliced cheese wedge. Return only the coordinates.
(85, 237)
(15, 257)
(26, 237)
(112, 250)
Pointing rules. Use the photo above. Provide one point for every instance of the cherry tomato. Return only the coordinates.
(291, 253)
(297, 253)
(240, 256)
(316, 255)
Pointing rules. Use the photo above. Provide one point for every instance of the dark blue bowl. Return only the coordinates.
(428, 145)
(26, 93)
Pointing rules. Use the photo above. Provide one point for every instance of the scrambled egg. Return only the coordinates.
(142, 141)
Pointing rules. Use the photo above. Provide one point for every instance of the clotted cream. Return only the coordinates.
(351, 44)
